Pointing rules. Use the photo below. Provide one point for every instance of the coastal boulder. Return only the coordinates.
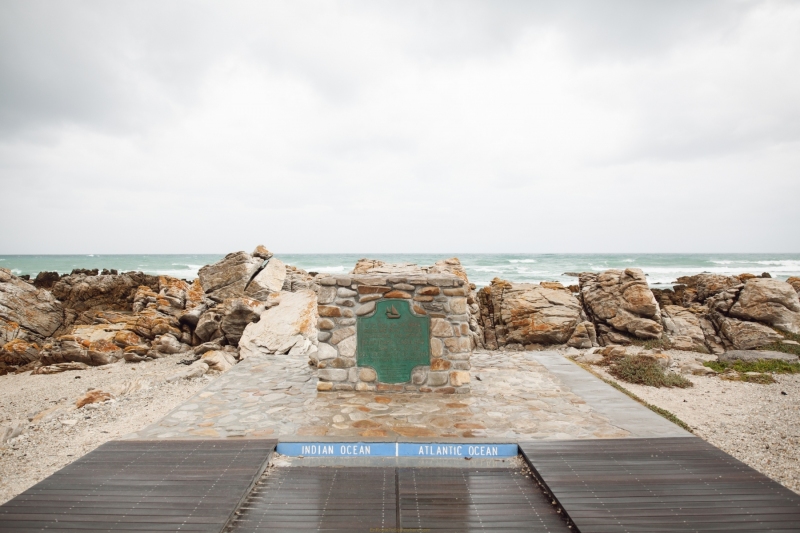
(584, 336)
(795, 283)
(743, 335)
(84, 292)
(706, 285)
(26, 311)
(526, 313)
(242, 274)
(621, 304)
(683, 328)
(237, 314)
(19, 352)
(768, 301)
(287, 328)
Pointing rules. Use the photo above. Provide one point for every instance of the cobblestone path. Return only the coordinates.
(512, 398)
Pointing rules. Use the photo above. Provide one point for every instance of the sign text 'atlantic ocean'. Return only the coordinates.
(395, 449)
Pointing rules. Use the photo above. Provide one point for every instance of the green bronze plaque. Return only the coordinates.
(393, 341)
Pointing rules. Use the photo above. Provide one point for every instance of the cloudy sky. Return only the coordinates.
(497, 126)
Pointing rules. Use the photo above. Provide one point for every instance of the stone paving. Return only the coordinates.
(513, 398)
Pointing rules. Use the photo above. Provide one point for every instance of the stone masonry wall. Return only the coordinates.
(343, 298)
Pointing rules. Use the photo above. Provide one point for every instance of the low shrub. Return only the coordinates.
(642, 370)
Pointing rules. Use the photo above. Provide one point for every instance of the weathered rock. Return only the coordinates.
(533, 314)
(25, 311)
(19, 352)
(229, 277)
(622, 301)
(756, 355)
(743, 335)
(219, 361)
(584, 336)
(167, 344)
(82, 292)
(696, 368)
(195, 370)
(683, 328)
(706, 285)
(60, 367)
(269, 280)
(237, 314)
(90, 344)
(46, 280)
(93, 396)
(769, 301)
(795, 283)
(261, 252)
(208, 326)
(282, 328)
(298, 279)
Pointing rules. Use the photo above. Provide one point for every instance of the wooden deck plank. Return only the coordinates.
(374, 498)
(668, 484)
(186, 485)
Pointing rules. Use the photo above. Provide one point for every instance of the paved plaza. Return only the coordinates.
(515, 396)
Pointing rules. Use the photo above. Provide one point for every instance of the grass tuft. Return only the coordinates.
(642, 370)
(793, 349)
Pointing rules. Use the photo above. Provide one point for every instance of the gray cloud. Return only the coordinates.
(488, 126)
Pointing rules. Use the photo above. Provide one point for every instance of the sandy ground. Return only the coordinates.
(757, 424)
(59, 433)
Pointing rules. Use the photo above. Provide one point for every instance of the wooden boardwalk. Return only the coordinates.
(383, 499)
(669, 484)
(143, 486)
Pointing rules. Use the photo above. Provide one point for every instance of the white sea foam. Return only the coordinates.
(522, 261)
(328, 269)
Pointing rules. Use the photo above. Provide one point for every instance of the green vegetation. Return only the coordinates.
(643, 370)
(765, 365)
(793, 349)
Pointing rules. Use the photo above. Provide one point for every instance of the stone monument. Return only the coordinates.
(400, 329)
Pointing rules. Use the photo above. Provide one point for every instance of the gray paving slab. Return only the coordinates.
(620, 410)
(515, 396)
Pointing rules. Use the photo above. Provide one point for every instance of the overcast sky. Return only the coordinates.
(204, 127)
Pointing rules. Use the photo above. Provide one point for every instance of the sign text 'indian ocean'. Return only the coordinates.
(395, 449)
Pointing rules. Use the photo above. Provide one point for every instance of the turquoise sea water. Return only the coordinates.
(662, 269)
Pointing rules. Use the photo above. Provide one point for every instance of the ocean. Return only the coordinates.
(661, 269)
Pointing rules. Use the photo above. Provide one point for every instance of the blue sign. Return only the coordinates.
(395, 449)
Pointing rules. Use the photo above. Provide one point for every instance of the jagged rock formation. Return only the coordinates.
(621, 305)
(26, 312)
(525, 313)
(105, 317)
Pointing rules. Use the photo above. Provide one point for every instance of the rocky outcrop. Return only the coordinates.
(768, 301)
(242, 274)
(795, 283)
(81, 292)
(525, 313)
(621, 305)
(683, 329)
(288, 328)
(19, 352)
(584, 336)
(757, 355)
(238, 313)
(732, 311)
(298, 279)
(742, 335)
(25, 311)
(700, 287)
